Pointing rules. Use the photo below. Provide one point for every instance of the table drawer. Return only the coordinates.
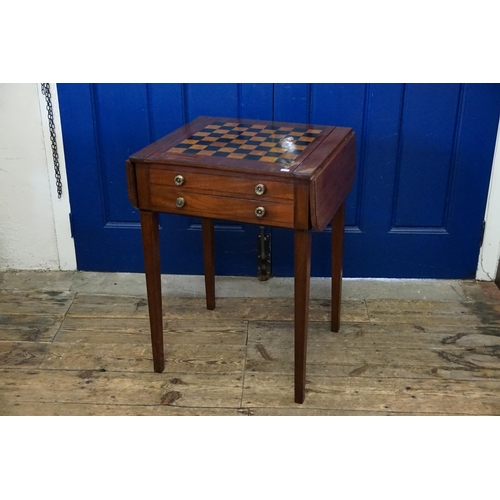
(183, 202)
(255, 186)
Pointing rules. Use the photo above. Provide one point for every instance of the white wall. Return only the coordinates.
(34, 224)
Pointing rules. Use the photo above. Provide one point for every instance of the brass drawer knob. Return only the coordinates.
(179, 180)
(260, 189)
(180, 202)
(260, 211)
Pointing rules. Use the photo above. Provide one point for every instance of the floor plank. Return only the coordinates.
(318, 412)
(378, 335)
(28, 328)
(213, 331)
(190, 358)
(35, 303)
(131, 330)
(22, 354)
(108, 306)
(103, 330)
(94, 387)
(368, 362)
(84, 409)
(426, 312)
(359, 394)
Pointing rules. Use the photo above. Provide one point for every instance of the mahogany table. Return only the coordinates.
(287, 175)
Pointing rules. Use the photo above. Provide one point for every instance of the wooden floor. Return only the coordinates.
(67, 353)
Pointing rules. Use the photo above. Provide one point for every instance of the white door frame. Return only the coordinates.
(489, 254)
(60, 206)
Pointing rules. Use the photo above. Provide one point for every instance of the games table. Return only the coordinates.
(288, 175)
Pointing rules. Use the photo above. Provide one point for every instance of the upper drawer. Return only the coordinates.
(254, 186)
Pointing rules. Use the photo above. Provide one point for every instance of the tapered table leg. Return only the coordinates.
(301, 286)
(207, 230)
(151, 246)
(337, 246)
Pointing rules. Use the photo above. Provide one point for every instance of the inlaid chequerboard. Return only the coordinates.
(248, 141)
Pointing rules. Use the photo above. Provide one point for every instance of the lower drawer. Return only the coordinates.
(169, 200)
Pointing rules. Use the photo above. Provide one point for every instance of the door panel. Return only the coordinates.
(256, 101)
(427, 143)
(424, 154)
(291, 102)
(211, 99)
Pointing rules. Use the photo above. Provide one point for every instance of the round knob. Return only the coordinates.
(260, 211)
(179, 180)
(180, 202)
(260, 189)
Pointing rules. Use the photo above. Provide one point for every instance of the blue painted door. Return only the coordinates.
(424, 154)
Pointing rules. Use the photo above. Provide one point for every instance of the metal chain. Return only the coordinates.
(55, 155)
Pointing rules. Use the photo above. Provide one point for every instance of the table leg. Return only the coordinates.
(301, 290)
(207, 230)
(337, 245)
(151, 246)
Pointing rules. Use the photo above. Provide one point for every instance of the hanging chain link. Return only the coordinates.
(55, 155)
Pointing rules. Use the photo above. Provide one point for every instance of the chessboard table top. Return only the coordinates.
(247, 145)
